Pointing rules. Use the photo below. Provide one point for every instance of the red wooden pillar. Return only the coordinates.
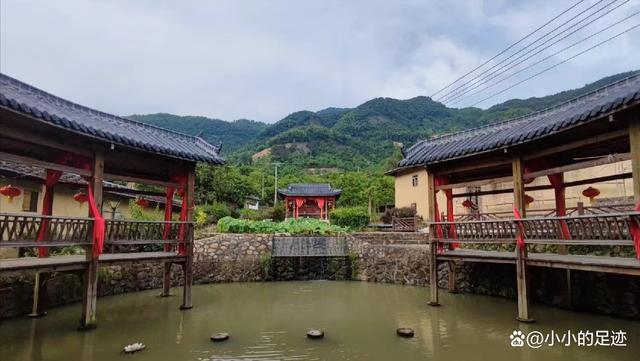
(188, 262)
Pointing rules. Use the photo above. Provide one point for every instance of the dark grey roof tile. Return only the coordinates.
(26, 99)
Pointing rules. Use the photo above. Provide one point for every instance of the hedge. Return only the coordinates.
(355, 218)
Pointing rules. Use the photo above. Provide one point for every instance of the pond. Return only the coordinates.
(268, 321)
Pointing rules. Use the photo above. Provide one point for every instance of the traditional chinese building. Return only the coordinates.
(309, 200)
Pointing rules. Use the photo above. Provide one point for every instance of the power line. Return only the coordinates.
(556, 65)
(530, 44)
(463, 97)
(506, 67)
(508, 48)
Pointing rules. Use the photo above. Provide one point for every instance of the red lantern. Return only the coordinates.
(528, 199)
(80, 197)
(591, 193)
(142, 202)
(10, 191)
(468, 203)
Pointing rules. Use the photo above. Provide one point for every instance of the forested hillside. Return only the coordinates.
(351, 138)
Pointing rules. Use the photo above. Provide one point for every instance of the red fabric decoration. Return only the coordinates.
(561, 206)
(98, 221)
(80, 197)
(51, 178)
(520, 236)
(452, 228)
(320, 202)
(299, 203)
(10, 191)
(167, 217)
(635, 232)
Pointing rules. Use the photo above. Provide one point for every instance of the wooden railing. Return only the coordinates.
(145, 232)
(22, 230)
(406, 224)
(601, 229)
(547, 212)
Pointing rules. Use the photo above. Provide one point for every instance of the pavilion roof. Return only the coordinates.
(579, 111)
(309, 189)
(50, 109)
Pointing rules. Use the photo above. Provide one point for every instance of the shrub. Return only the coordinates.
(292, 226)
(277, 212)
(403, 212)
(354, 218)
(216, 211)
(255, 214)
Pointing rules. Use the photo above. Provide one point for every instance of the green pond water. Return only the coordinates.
(268, 321)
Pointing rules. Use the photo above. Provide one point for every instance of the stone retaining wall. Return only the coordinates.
(400, 258)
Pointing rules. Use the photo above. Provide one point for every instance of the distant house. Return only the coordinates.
(309, 200)
(252, 202)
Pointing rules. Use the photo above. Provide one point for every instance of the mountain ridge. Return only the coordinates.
(350, 138)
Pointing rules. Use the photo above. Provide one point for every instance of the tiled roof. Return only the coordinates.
(28, 100)
(527, 128)
(26, 171)
(315, 189)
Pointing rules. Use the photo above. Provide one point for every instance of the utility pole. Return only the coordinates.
(275, 187)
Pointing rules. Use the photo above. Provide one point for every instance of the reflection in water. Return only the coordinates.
(268, 321)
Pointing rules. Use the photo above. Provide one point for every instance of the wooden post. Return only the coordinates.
(40, 283)
(90, 290)
(521, 254)
(452, 277)
(433, 244)
(166, 280)
(188, 263)
(634, 140)
(38, 308)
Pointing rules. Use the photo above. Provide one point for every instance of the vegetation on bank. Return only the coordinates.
(291, 226)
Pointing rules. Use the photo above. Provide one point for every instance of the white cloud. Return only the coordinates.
(265, 59)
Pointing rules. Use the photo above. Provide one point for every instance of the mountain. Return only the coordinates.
(351, 138)
(232, 135)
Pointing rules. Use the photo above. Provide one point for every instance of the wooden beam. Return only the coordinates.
(47, 140)
(580, 182)
(43, 164)
(474, 183)
(613, 158)
(470, 165)
(517, 169)
(118, 177)
(90, 294)
(433, 245)
(634, 140)
(577, 144)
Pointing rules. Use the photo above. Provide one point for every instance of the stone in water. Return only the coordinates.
(315, 334)
(405, 332)
(218, 337)
(134, 347)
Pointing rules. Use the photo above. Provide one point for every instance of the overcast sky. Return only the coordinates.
(265, 59)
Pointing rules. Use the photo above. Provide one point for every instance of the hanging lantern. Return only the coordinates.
(468, 203)
(528, 200)
(591, 193)
(144, 203)
(10, 191)
(81, 197)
